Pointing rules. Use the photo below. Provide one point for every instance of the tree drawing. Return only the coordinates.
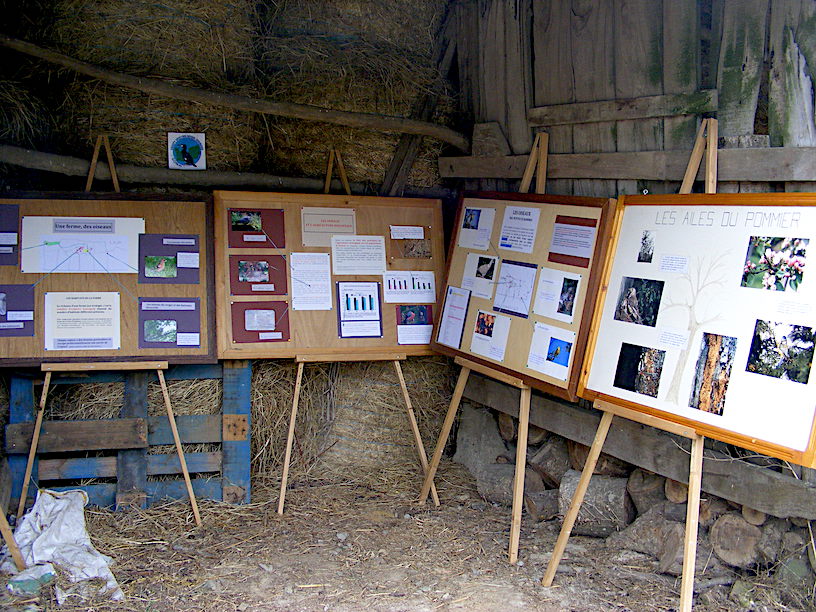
(703, 276)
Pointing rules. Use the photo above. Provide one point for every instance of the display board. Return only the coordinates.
(105, 280)
(326, 276)
(707, 318)
(520, 277)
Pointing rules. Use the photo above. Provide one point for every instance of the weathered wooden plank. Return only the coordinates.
(592, 25)
(21, 410)
(131, 464)
(492, 67)
(104, 495)
(105, 467)
(192, 428)
(174, 372)
(64, 436)
(237, 401)
(638, 72)
(647, 107)
(552, 71)
(657, 451)
(762, 164)
(517, 17)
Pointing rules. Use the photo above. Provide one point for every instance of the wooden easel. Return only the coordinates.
(705, 142)
(395, 358)
(334, 154)
(521, 447)
(536, 163)
(102, 138)
(159, 366)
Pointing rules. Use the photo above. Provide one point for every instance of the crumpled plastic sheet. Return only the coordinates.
(53, 531)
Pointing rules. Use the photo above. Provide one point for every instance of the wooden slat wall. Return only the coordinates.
(583, 51)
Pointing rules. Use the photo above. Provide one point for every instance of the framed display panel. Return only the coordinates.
(105, 279)
(707, 318)
(330, 276)
(520, 281)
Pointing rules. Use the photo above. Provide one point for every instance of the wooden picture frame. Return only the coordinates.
(313, 334)
(185, 222)
(706, 319)
(474, 256)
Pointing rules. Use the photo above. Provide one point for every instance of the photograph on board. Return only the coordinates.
(774, 264)
(712, 373)
(471, 218)
(253, 271)
(245, 221)
(484, 324)
(646, 252)
(781, 350)
(639, 301)
(415, 315)
(160, 266)
(160, 330)
(485, 267)
(639, 369)
(559, 351)
(566, 300)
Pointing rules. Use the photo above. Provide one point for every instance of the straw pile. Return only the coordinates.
(359, 55)
(24, 120)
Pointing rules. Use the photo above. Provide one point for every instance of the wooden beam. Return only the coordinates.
(646, 107)
(106, 467)
(763, 164)
(193, 429)
(64, 436)
(657, 451)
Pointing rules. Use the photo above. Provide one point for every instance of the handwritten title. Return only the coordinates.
(726, 218)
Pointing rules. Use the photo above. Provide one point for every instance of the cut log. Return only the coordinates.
(507, 427)
(477, 441)
(536, 435)
(676, 492)
(710, 511)
(606, 508)
(606, 466)
(770, 542)
(646, 489)
(543, 505)
(735, 540)
(755, 517)
(495, 483)
(551, 461)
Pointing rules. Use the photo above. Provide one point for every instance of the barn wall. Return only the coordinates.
(755, 59)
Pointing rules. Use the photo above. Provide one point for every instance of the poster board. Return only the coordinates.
(105, 279)
(707, 318)
(326, 276)
(521, 275)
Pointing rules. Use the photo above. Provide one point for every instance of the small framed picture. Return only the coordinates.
(186, 151)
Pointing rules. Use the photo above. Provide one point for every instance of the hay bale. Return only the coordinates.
(138, 123)
(24, 120)
(206, 41)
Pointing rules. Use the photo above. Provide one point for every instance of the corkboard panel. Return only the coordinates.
(165, 216)
(511, 267)
(706, 318)
(315, 332)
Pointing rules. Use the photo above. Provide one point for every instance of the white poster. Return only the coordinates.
(556, 294)
(519, 228)
(311, 281)
(407, 232)
(514, 289)
(418, 287)
(452, 322)
(319, 224)
(259, 320)
(77, 321)
(573, 240)
(551, 351)
(477, 228)
(414, 334)
(80, 245)
(724, 335)
(358, 255)
(490, 335)
(480, 274)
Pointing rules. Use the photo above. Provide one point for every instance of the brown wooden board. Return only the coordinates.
(706, 318)
(300, 332)
(187, 226)
(63, 436)
(531, 298)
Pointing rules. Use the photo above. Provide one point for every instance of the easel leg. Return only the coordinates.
(177, 440)
(692, 523)
(521, 467)
(423, 458)
(577, 498)
(443, 435)
(290, 439)
(5, 529)
(32, 452)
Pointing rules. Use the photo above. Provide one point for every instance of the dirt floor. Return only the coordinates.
(342, 546)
